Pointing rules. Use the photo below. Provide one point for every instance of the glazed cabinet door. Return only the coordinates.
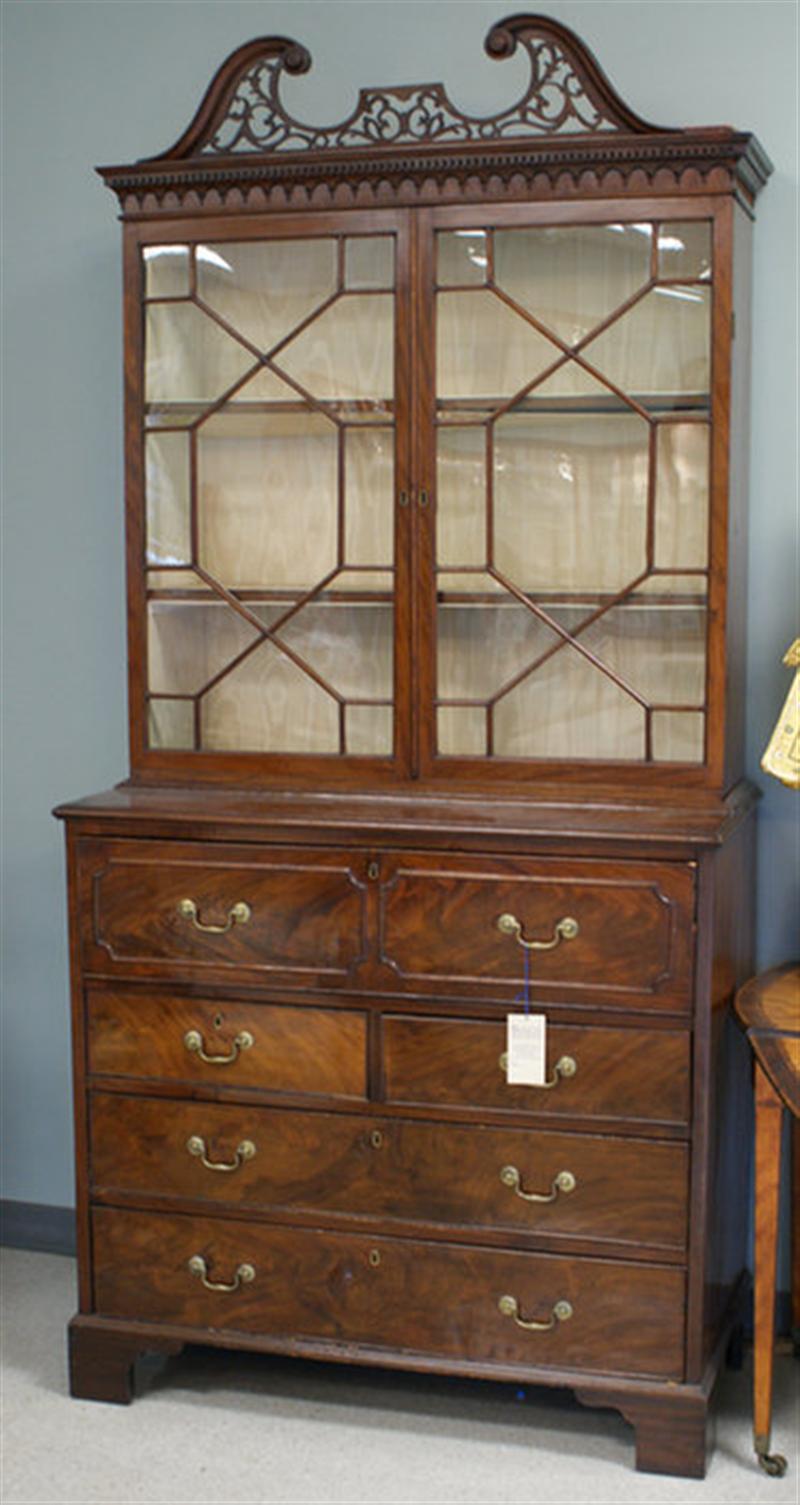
(566, 563)
(268, 432)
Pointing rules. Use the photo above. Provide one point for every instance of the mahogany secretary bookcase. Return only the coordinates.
(436, 455)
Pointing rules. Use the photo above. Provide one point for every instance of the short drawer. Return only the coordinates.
(445, 1300)
(628, 940)
(620, 1075)
(515, 1180)
(270, 1046)
(298, 914)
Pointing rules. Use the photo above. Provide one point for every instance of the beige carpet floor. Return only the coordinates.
(256, 1430)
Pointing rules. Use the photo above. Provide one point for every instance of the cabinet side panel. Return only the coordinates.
(730, 1092)
(80, 1107)
(736, 646)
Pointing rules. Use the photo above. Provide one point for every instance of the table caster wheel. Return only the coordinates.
(773, 1464)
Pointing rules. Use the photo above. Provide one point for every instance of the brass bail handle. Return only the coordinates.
(564, 930)
(561, 1312)
(238, 914)
(243, 1276)
(566, 1066)
(193, 1040)
(196, 1146)
(563, 1182)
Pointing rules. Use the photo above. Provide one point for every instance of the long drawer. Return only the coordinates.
(437, 1299)
(270, 1046)
(294, 913)
(615, 934)
(603, 1075)
(518, 1180)
(614, 931)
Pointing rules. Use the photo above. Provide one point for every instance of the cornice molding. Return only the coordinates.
(569, 133)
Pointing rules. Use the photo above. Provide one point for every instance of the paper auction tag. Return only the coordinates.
(525, 1049)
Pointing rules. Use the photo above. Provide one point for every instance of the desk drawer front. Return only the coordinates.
(156, 907)
(633, 923)
(440, 1299)
(624, 1191)
(272, 1047)
(623, 1075)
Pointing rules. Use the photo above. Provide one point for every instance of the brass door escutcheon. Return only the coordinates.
(563, 1182)
(193, 1040)
(244, 1275)
(561, 1312)
(565, 1066)
(196, 1146)
(238, 914)
(564, 930)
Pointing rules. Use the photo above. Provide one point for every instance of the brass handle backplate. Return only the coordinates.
(565, 1066)
(563, 1182)
(197, 1147)
(561, 1312)
(564, 930)
(193, 1040)
(244, 1275)
(238, 914)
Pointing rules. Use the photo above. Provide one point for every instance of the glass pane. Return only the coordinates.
(267, 498)
(346, 352)
(265, 387)
(369, 261)
(462, 257)
(566, 709)
(682, 496)
(349, 645)
(268, 704)
(481, 646)
(168, 492)
(171, 723)
(461, 731)
(189, 642)
(684, 249)
(484, 349)
(661, 345)
(570, 389)
(166, 271)
(461, 496)
(189, 358)
(572, 277)
(570, 501)
(669, 587)
(369, 730)
(678, 736)
(264, 289)
(659, 650)
(369, 496)
(176, 581)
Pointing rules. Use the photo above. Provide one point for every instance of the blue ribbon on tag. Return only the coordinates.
(525, 996)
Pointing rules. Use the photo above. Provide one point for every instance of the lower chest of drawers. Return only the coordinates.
(296, 1131)
(398, 1195)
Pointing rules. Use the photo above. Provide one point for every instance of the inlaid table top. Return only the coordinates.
(769, 1008)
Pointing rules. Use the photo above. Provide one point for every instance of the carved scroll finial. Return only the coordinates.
(567, 93)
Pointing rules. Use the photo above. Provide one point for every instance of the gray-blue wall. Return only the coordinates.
(108, 82)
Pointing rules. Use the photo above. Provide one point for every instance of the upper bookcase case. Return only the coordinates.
(436, 435)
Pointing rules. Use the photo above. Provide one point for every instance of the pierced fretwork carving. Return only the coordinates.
(559, 98)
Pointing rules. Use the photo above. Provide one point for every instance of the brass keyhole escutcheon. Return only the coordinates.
(218, 1021)
(373, 871)
(374, 1258)
(376, 1139)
